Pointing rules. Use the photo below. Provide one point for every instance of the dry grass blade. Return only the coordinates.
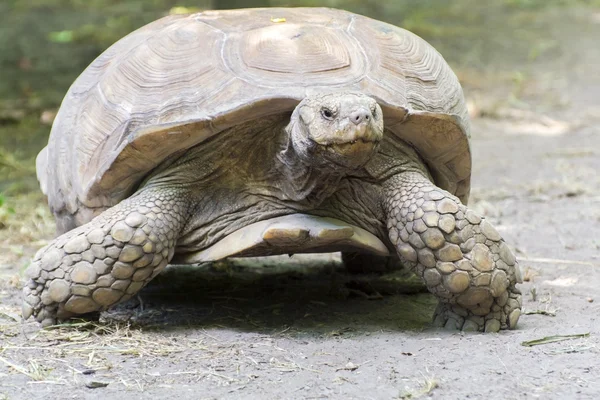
(87, 336)
(552, 339)
(35, 370)
(541, 312)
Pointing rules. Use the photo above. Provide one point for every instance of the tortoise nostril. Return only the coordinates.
(360, 115)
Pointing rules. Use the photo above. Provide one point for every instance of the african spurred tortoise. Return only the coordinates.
(231, 133)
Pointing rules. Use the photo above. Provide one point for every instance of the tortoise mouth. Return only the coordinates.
(352, 154)
(352, 148)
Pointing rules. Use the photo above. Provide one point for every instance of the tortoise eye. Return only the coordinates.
(374, 111)
(327, 113)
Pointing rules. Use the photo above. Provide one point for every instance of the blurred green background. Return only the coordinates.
(495, 47)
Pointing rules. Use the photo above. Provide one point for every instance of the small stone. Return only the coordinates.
(135, 219)
(434, 195)
(432, 277)
(489, 231)
(120, 285)
(447, 206)
(433, 238)
(121, 270)
(499, 282)
(426, 258)
(80, 305)
(51, 259)
(406, 251)
(513, 318)
(419, 226)
(482, 279)
(80, 290)
(105, 281)
(472, 217)
(142, 274)
(416, 241)
(130, 253)
(445, 267)
(106, 297)
(492, 325)
(474, 296)
(84, 273)
(457, 282)
(78, 245)
(121, 232)
(96, 236)
(482, 258)
(450, 252)
(447, 223)
(470, 326)
(506, 255)
(58, 290)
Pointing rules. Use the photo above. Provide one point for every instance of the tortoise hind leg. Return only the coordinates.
(459, 255)
(107, 260)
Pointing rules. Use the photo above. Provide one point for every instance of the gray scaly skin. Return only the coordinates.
(323, 160)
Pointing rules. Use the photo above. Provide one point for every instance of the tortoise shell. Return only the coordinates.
(182, 79)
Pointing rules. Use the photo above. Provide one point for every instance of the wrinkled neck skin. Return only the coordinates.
(304, 176)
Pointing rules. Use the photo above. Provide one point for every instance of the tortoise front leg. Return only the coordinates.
(107, 260)
(459, 255)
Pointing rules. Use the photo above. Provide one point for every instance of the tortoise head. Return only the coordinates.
(337, 129)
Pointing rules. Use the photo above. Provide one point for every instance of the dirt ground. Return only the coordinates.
(234, 331)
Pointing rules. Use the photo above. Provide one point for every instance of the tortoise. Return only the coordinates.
(258, 132)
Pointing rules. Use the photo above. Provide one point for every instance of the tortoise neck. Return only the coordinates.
(301, 178)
